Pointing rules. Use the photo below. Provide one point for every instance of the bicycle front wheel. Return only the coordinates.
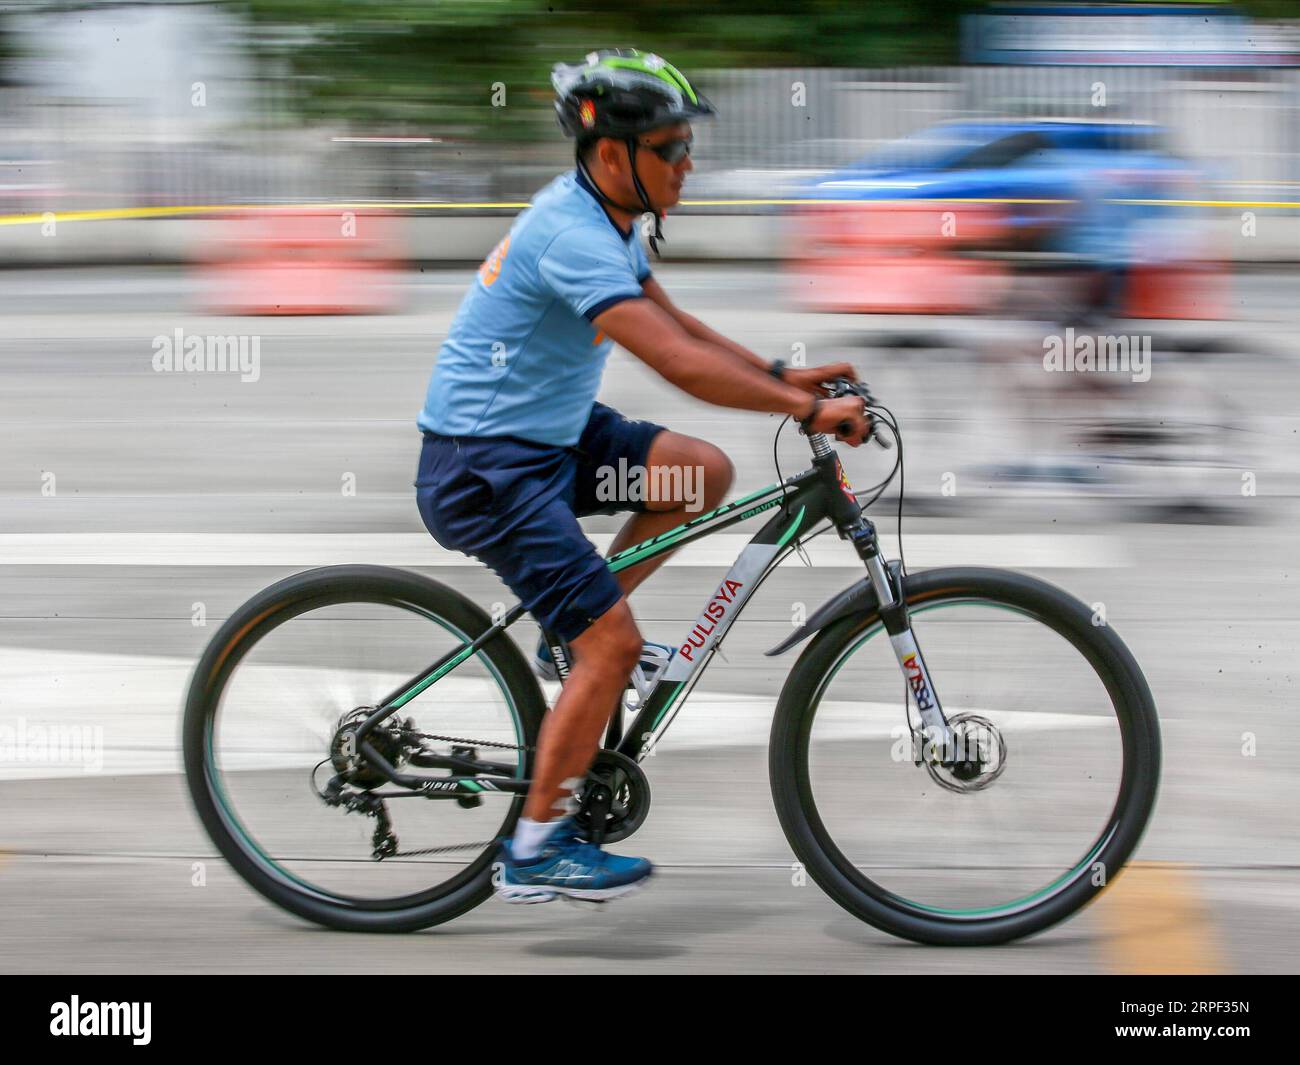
(266, 727)
(1070, 761)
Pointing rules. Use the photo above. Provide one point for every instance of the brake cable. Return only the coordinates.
(887, 417)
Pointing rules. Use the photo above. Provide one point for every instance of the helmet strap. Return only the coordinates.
(640, 191)
(645, 200)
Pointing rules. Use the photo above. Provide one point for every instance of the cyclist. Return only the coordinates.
(515, 442)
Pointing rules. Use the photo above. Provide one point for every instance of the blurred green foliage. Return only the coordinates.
(431, 65)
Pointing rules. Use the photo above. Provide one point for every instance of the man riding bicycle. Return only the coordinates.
(515, 442)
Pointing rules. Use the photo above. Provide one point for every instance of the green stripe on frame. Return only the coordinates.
(794, 527)
(410, 694)
(631, 555)
(667, 705)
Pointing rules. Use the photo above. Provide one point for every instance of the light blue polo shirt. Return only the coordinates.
(522, 357)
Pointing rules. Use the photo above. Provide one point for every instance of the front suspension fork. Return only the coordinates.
(887, 582)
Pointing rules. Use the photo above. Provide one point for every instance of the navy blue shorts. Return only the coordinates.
(514, 505)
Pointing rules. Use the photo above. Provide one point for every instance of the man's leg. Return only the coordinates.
(603, 655)
(700, 476)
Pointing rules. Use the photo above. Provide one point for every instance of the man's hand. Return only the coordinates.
(847, 410)
(811, 378)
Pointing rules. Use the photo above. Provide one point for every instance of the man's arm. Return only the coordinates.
(715, 374)
(809, 379)
(698, 329)
(706, 370)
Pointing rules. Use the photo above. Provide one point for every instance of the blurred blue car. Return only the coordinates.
(1080, 164)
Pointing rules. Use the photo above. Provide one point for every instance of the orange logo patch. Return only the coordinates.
(845, 487)
(491, 268)
(587, 113)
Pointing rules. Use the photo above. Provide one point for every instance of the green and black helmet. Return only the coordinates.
(622, 93)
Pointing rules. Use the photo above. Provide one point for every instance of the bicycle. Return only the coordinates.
(918, 825)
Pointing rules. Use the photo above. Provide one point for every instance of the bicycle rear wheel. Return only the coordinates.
(262, 721)
(1072, 747)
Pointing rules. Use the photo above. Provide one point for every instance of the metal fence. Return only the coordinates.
(1242, 123)
(774, 126)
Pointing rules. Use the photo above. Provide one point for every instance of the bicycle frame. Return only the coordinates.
(802, 501)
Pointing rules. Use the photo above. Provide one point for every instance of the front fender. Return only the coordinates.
(855, 599)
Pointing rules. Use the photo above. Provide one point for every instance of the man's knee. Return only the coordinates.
(689, 474)
(715, 471)
(612, 639)
(711, 474)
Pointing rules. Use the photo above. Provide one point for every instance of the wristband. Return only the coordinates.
(777, 369)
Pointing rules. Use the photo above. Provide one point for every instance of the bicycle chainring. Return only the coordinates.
(629, 796)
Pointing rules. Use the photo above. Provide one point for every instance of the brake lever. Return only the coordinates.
(843, 428)
(885, 444)
(842, 386)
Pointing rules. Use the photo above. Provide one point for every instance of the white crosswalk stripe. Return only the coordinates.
(119, 715)
(1015, 550)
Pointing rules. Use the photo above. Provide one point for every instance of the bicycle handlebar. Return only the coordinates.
(841, 387)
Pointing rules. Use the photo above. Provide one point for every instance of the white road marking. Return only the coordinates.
(1013, 550)
(73, 714)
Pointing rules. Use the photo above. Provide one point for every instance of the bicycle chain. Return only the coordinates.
(471, 743)
(477, 845)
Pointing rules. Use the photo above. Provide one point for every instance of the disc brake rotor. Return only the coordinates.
(981, 755)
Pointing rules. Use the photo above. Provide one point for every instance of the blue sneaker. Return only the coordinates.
(567, 866)
(654, 659)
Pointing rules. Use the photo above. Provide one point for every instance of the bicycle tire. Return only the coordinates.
(848, 886)
(275, 606)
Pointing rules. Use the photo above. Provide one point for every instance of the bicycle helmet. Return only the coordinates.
(622, 93)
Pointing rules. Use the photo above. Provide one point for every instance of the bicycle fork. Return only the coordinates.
(887, 583)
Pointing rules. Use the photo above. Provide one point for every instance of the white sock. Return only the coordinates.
(529, 837)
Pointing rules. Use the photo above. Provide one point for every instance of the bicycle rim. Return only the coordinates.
(283, 691)
(905, 840)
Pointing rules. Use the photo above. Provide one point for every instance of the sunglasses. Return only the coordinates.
(671, 152)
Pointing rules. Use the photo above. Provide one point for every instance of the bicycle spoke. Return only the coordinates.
(984, 849)
(278, 718)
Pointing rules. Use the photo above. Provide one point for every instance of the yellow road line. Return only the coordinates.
(114, 213)
(1280, 204)
(1155, 922)
(108, 214)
